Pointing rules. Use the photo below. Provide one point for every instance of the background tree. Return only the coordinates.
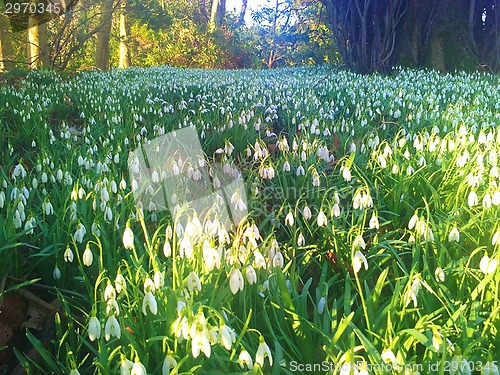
(103, 35)
(484, 32)
(365, 31)
(6, 58)
(124, 36)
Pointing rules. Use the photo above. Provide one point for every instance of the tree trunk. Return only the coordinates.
(124, 37)
(243, 12)
(217, 14)
(102, 50)
(6, 62)
(34, 61)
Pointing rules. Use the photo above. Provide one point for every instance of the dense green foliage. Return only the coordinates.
(372, 234)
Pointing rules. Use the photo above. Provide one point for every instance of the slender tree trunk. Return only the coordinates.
(102, 50)
(34, 60)
(5, 45)
(243, 12)
(124, 37)
(217, 14)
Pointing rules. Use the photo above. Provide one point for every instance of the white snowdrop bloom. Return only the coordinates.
(68, 255)
(359, 260)
(112, 328)
(301, 240)
(120, 283)
(138, 368)
(263, 351)
(128, 238)
(388, 356)
(88, 257)
(374, 223)
(2, 199)
(19, 171)
(94, 328)
(259, 260)
(472, 199)
(454, 235)
(496, 238)
(413, 221)
(278, 260)
(488, 265)
(412, 292)
(123, 184)
(211, 256)
(169, 363)
(236, 281)
(321, 305)
(185, 248)
(193, 282)
(251, 275)
(322, 220)
(289, 220)
(307, 213)
(109, 292)
(227, 336)
(359, 242)
(494, 172)
(244, 359)
(439, 274)
(57, 273)
(346, 173)
(158, 279)
(149, 300)
(495, 198)
(300, 171)
(487, 200)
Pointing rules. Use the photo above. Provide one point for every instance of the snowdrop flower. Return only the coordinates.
(437, 340)
(289, 220)
(496, 238)
(251, 275)
(68, 255)
(388, 356)
(245, 359)
(336, 210)
(472, 199)
(80, 233)
(159, 280)
(125, 365)
(120, 283)
(167, 249)
(278, 260)
(169, 363)
(138, 368)
(321, 305)
(454, 235)
(236, 281)
(300, 240)
(346, 173)
(128, 238)
(322, 219)
(88, 257)
(227, 336)
(149, 300)
(286, 167)
(358, 260)
(359, 242)
(439, 274)
(200, 343)
(185, 248)
(307, 213)
(94, 328)
(300, 171)
(490, 367)
(73, 371)
(263, 351)
(488, 265)
(412, 292)
(459, 365)
(413, 221)
(193, 282)
(259, 260)
(112, 328)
